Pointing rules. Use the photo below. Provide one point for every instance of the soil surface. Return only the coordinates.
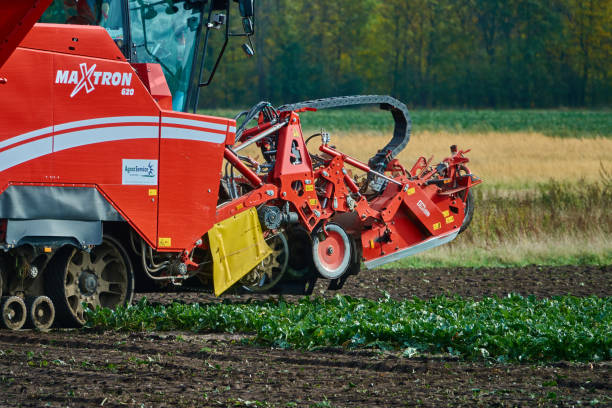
(539, 281)
(86, 368)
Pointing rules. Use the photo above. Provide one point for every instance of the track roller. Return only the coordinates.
(40, 312)
(13, 311)
(331, 251)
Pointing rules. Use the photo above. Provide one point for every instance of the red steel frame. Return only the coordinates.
(411, 210)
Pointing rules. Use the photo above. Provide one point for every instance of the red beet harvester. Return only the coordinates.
(108, 185)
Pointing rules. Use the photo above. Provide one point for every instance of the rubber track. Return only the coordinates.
(401, 132)
(55, 275)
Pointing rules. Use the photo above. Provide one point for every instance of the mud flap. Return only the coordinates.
(237, 245)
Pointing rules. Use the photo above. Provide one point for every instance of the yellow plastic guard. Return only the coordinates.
(237, 245)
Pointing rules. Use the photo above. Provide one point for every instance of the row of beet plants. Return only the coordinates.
(513, 328)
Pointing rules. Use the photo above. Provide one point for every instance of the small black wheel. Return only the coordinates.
(103, 277)
(301, 276)
(468, 210)
(12, 312)
(468, 200)
(301, 266)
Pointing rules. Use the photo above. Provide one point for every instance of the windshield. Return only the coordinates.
(165, 32)
(105, 13)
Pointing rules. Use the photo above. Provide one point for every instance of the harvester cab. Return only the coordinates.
(108, 184)
(176, 34)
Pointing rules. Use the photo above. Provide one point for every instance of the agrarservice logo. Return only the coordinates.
(89, 78)
(142, 171)
(139, 172)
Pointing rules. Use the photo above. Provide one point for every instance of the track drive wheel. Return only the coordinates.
(269, 271)
(12, 312)
(103, 277)
(331, 251)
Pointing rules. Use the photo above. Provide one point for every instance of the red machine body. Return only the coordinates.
(64, 104)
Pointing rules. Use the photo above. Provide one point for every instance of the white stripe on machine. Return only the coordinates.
(100, 135)
(54, 143)
(189, 134)
(25, 152)
(193, 123)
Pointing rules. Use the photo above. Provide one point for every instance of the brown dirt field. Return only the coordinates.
(81, 368)
(539, 281)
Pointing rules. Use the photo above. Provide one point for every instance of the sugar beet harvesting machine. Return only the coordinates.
(108, 185)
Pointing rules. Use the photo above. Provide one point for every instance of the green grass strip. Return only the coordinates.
(512, 328)
(558, 123)
(469, 256)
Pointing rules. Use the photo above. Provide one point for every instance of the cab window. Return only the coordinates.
(165, 33)
(104, 13)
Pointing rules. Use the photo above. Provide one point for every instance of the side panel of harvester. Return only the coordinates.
(102, 117)
(26, 116)
(191, 156)
(81, 138)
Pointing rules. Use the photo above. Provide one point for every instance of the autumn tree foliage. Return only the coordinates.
(428, 53)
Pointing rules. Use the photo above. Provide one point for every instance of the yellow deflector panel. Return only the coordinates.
(237, 245)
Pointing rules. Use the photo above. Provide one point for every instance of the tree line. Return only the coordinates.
(427, 53)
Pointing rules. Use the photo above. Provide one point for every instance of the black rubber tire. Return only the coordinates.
(17, 305)
(55, 283)
(301, 266)
(469, 211)
(44, 303)
(121, 231)
(301, 276)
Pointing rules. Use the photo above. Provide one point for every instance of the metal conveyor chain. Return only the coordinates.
(401, 132)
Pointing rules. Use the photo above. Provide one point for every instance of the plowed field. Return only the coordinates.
(81, 368)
